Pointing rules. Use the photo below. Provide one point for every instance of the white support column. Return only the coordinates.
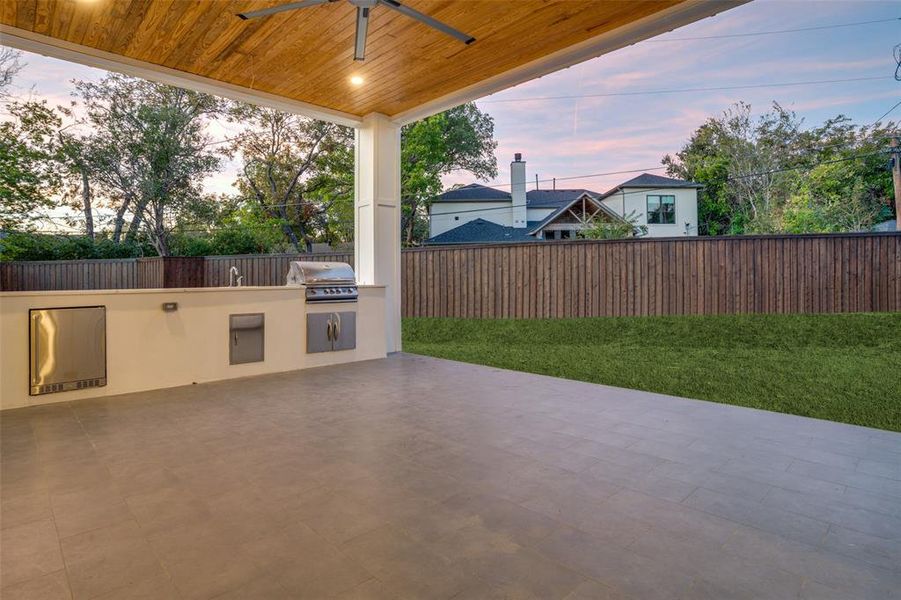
(377, 214)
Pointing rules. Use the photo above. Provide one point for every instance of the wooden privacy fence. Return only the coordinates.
(755, 274)
(759, 274)
(266, 269)
(108, 274)
(153, 272)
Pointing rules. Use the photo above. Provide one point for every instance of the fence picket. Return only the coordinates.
(772, 274)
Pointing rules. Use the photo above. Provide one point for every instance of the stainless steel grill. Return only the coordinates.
(324, 281)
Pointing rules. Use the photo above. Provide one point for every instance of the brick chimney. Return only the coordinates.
(518, 190)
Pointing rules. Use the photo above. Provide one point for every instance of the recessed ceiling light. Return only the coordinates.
(356, 80)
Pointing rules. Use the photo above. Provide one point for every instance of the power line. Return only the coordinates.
(802, 167)
(688, 90)
(501, 184)
(475, 210)
(896, 53)
(737, 177)
(773, 32)
(888, 112)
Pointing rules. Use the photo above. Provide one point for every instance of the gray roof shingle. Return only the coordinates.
(474, 192)
(554, 198)
(649, 180)
(480, 231)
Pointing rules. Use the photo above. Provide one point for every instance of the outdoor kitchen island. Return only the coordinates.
(162, 338)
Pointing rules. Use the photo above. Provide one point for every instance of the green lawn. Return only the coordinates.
(838, 367)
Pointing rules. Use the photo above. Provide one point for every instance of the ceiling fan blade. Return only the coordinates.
(360, 38)
(415, 14)
(265, 12)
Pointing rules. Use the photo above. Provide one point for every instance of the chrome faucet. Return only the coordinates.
(232, 273)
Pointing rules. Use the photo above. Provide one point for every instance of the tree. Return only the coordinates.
(835, 197)
(71, 158)
(10, 65)
(760, 174)
(295, 169)
(601, 228)
(27, 177)
(146, 151)
(459, 139)
(738, 159)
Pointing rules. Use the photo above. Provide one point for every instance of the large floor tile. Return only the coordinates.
(419, 478)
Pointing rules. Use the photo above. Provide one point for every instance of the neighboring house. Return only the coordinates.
(475, 213)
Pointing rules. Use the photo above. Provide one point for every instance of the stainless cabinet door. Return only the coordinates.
(319, 332)
(344, 330)
(246, 338)
(68, 348)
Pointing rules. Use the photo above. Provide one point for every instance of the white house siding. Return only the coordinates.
(636, 200)
(539, 214)
(442, 214)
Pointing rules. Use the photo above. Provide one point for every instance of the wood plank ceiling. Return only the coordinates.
(307, 54)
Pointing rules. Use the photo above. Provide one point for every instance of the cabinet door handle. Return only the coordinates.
(236, 338)
(337, 326)
(328, 329)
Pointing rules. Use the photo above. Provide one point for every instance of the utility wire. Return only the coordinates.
(803, 167)
(686, 90)
(617, 195)
(501, 184)
(774, 32)
(888, 112)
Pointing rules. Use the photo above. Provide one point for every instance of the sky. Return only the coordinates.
(578, 136)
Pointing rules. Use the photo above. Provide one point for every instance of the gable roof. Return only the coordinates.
(474, 192)
(555, 198)
(536, 227)
(646, 180)
(480, 231)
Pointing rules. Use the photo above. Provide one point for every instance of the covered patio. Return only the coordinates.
(397, 476)
(304, 60)
(413, 477)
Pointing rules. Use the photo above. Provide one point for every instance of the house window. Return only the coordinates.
(565, 234)
(661, 210)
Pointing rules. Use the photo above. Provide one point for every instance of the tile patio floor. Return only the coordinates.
(413, 477)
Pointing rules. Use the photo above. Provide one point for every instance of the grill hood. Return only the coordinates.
(302, 272)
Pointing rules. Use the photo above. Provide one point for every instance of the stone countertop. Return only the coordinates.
(246, 288)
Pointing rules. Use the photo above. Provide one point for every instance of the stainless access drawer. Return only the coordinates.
(67, 348)
(246, 338)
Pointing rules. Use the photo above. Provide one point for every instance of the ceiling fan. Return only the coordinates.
(363, 8)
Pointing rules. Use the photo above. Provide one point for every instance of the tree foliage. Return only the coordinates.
(770, 174)
(459, 139)
(147, 150)
(605, 229)
(30, 245)
(295, 169)
(28, 179)
(10, 65)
